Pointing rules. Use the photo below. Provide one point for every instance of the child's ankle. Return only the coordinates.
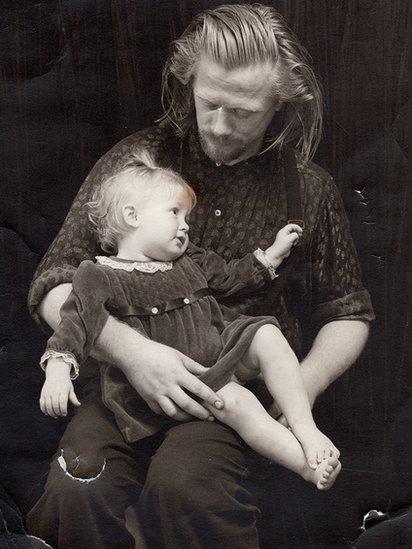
(302, 424)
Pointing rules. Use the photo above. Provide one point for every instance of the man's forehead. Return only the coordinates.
(252, 82)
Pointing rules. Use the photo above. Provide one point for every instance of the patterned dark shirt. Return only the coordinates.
(240, 208)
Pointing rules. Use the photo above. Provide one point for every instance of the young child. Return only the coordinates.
(162, 286)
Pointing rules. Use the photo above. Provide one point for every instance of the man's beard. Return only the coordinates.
(221, 150)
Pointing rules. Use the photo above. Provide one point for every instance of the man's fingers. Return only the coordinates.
(153, 405)
(187, 404)
(204, 392)
(167, 406)
(171, 410)
(192, 366)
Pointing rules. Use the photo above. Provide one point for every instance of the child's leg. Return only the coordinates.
(272, 355)
(246, 415)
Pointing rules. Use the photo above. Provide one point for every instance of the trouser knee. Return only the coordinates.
(84, 466)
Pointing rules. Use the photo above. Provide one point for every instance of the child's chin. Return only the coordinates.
(172, 255)
(177, 254)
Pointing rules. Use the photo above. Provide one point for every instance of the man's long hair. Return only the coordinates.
(237, 36)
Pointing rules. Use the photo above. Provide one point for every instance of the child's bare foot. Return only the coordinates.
(315, 444)
(325, 474)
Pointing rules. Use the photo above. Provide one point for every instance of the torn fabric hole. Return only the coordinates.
(62, 463)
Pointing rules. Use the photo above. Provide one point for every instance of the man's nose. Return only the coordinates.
(220, 123)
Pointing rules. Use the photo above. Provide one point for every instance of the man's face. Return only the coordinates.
(233, 109)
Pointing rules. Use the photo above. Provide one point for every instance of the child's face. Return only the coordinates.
(162, 231)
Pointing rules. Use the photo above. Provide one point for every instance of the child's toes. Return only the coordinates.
(334, 452)
(333, 461)
(312, 459)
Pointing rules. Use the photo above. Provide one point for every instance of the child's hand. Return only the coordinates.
(286, 238)
(57, 389)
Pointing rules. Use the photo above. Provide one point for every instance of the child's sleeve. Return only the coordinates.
(83, 316)
(233, 277)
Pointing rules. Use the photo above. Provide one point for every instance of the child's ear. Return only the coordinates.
(130, 215)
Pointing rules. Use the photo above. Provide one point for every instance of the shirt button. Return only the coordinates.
(218, 213)
(186, 301)
(155, 310)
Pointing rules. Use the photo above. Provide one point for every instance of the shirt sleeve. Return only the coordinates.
(76, 240)
(83, 314)
(336, 287)
(234, 277)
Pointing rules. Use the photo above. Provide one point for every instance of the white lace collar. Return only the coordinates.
(129, 266)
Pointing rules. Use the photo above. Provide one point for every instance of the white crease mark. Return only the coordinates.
(62, 463)
(42, 540)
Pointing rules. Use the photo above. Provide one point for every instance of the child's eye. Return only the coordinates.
(175, 211)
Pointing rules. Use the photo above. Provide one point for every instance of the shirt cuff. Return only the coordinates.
(66, 356)
(262, 258)
(354, 306)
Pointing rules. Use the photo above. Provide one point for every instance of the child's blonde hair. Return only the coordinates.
(139, 173)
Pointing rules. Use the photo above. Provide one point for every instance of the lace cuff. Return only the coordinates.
(262, 257)
(66, 356)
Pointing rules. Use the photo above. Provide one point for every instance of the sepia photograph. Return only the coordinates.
(205, 274)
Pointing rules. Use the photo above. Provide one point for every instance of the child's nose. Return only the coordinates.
(183, 225)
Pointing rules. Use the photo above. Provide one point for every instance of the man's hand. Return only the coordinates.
(161, 375)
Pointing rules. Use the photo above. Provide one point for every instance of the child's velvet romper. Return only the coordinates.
(171, 303)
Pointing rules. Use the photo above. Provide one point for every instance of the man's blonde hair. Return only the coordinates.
(237, 36)
(139, 173)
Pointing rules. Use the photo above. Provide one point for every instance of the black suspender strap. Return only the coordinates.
(294, 211)
(292, 184)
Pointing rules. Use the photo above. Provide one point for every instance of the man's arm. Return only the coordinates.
(340, 306)
(335, 348)
(160, 374)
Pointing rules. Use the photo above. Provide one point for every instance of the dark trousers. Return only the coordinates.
(188, 487)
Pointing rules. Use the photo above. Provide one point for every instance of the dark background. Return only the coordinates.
(77, 76)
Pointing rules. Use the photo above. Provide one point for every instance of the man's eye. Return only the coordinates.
(241, 113)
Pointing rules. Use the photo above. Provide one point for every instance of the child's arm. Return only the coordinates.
(285, 239)
(57, 388)
(83, 316)
(250, 273)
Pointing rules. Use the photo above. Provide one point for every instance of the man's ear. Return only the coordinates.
(130, 215)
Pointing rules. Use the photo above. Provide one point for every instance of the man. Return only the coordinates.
(237, 89)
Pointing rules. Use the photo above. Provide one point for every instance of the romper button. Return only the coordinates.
(155, 310)
(186, 300)
(218, 213)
